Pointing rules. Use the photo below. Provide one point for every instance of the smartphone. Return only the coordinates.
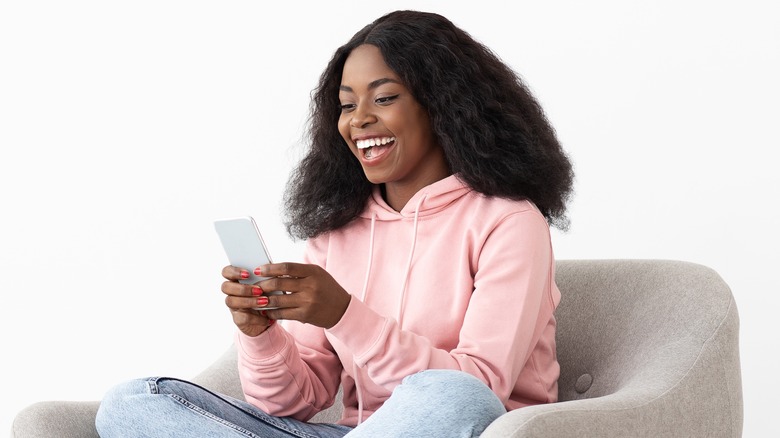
(244, 247)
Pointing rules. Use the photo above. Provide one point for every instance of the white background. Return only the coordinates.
(126, 128)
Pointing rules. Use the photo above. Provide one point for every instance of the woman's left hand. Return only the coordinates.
(314, 295)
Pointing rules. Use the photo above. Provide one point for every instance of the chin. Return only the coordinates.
(373, 178)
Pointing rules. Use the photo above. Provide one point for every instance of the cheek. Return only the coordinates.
(344, 129)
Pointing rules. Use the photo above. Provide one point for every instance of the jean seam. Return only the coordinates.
(267, 420)
(200, 411)
(152, 385)
(154, 389)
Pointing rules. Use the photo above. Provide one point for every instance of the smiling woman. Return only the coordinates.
(427, 291)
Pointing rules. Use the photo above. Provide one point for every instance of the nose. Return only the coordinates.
(362, 117)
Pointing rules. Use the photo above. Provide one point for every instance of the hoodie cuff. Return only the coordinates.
(362, 330)
(264, 346)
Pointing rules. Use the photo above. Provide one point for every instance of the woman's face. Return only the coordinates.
(385, 127)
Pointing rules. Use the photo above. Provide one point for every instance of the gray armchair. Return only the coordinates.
(647, 348)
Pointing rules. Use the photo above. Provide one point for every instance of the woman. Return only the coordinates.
(428, 288)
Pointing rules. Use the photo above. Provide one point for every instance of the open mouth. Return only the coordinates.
(373, 148)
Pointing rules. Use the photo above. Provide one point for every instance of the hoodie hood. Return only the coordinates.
(429, 200)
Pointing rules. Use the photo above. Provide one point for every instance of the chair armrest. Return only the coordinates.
(609, 416)
(68, 419)
(65, 419)
(615, 415)
(704, 400)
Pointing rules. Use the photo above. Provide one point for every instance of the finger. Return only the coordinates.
(241, 290)
(288, 306)
(288, 313)
(285, 269)
(279, 300)
(234, 273)
(248, 303)
(287, 284)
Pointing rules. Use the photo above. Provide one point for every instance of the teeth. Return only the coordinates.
(362, 144)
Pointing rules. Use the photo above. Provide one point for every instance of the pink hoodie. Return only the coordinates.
(456, 280)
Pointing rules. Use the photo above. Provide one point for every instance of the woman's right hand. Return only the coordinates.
(243, 300)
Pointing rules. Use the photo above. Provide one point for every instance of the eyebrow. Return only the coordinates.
(371, 85)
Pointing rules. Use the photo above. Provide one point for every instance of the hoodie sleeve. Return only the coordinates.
(511, 305)
(292, 371)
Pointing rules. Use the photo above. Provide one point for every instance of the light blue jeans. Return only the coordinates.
(433, 403)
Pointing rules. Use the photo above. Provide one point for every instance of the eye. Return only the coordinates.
(346, 107)
(385, 100)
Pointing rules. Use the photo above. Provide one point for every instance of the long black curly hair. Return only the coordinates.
(494, 133)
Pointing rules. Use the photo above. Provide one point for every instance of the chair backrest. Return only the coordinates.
(661, 331)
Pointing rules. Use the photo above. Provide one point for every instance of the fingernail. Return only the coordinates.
(258, 271)
(262, 301)
(271, 322)
(256, 290)
(244, 273)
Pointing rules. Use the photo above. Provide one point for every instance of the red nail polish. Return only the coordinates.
(258, 271)
(256, 291)
(262, 301)
(271, 322)
(244, 274)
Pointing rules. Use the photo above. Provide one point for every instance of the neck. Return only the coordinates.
(398, 194)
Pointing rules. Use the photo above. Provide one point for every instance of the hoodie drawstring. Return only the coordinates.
(370, 257)
(402, 303)
(355, 370)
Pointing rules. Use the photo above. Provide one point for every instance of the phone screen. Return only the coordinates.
(243, 245)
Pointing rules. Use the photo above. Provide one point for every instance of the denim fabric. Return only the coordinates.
(434, 403)
(164, 407)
